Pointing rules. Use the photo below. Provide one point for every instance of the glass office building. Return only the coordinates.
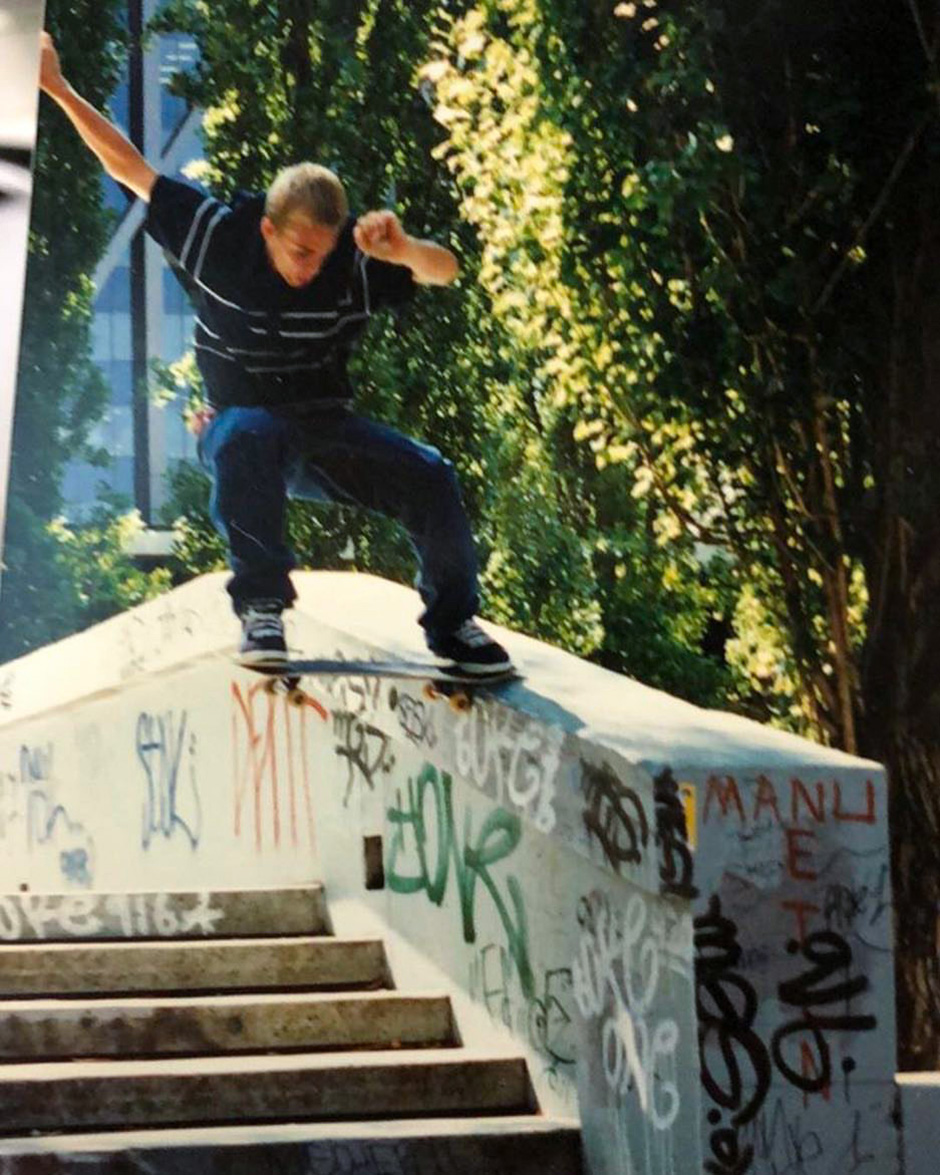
(141, 312)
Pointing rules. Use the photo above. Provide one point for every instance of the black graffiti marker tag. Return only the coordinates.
(815, 989)
(621, 834)
(676, 869)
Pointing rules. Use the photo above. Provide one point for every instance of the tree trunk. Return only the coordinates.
(914, 815)
(900, 722)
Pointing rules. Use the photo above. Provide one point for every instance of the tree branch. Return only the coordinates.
(873, 215)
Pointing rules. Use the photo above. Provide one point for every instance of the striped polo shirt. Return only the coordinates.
(259, 341)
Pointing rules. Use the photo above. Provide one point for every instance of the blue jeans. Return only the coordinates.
(257, 457)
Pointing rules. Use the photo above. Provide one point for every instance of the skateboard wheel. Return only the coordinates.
(296, 696)
(270, 686)
(460, 702)
(431, 692)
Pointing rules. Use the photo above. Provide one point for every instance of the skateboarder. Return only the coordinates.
(283, 283)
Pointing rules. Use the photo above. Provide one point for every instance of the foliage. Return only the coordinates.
(96, 560)
(60, 393)
(673, 244)
(709, 226)
(342, 83)
(89, 574)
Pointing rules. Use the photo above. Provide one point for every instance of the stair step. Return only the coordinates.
(70, 917)
(521, 1144)
(116, 1094)
(191, 966)
(46, 1029)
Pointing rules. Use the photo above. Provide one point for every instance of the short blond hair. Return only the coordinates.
(311, 189)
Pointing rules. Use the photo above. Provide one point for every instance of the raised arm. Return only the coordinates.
(119, 157)
(380, 235)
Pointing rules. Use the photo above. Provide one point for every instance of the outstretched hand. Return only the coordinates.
(197, 419)
(380, 235)
(50, 71)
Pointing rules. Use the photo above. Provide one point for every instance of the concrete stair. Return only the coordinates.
(162, 1026)
(507, 1145)
(300, 963)
(221, 1047)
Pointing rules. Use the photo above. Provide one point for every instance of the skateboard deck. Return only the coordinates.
(452, 683)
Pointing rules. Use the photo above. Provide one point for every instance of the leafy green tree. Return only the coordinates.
(95, 562)
(60, 392)
(340, 83)
(712, 227)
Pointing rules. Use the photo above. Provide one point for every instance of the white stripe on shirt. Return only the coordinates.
(310, 366)
(309, 314)
(223, 211)
(200, 212)
(212, 350)
(365, 284)
(311, 334)
(225, 302)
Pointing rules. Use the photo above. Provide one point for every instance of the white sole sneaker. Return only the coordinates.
(263, 657)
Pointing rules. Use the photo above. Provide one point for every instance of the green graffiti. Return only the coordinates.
(497, 839)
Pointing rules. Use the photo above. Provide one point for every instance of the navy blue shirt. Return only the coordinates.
(258, 340)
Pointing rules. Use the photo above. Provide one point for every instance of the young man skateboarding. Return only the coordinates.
(283, 284)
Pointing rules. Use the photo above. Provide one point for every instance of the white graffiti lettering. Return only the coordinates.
(44, 916)
(501, 749)
(637, 1052)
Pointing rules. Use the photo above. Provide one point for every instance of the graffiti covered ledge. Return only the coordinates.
(561, 855)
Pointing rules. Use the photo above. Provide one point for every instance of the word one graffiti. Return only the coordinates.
(424, 846)
(616, 978)
(272, 764)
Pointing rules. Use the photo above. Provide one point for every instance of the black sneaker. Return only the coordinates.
(469, 648)
(262, 633)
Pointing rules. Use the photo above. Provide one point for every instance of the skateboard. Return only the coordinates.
(454, 684)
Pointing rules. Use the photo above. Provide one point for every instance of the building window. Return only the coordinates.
(170, 320)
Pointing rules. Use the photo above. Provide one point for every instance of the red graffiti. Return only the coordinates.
(866, 817)
(809, 804)
(797, 853)
(725, 791)
(800, 909)
(816, 811)
(269, 737)
(766, 798)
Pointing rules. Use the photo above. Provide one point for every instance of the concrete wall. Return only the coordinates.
(796, 968)
(534, 856)
(491, 872)
(920, 1112)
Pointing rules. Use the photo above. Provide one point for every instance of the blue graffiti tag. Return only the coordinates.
(160, 742)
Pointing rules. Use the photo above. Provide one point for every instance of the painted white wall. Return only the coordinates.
(168, 784)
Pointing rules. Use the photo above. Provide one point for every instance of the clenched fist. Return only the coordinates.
(380, 235)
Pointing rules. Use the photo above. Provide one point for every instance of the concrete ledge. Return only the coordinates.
(543, 857)
(115, 1094)
(224, 965)
(520, 1145)
(48, 1029)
